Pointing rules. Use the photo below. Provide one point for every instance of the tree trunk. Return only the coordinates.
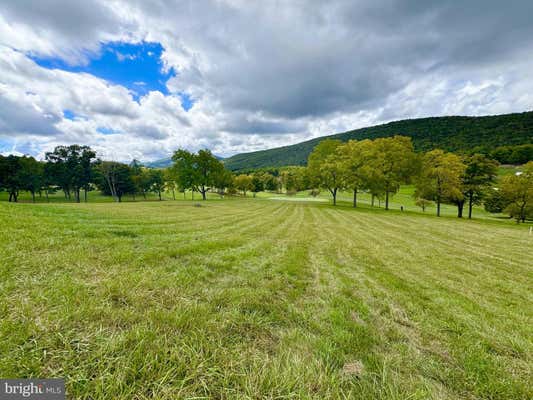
(33, 197)
(334, 193)
(460, 206)
(373, 198)
(355, 198)
(144, 194)
(46, 194)
(173, 194)
(470, 204)
(204, 197)
(159, 193)
(386, 200)
(85, 195)
(438, 207)
(119, 197)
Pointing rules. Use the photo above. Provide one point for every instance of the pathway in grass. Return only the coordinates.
(253, 299)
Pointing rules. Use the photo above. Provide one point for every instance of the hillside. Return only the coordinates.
(455, 133)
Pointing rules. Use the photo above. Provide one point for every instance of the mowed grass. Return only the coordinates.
(250, 299)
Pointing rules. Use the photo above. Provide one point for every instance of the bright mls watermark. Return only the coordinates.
(42, 389)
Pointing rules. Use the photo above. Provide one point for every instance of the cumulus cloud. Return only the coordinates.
(261, 74)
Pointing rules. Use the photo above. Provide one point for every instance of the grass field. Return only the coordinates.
(257, 298)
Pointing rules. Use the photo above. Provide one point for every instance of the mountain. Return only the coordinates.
(454, 133)
(167, 162)
(162, 163)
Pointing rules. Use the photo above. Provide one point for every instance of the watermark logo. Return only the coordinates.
(33, 389)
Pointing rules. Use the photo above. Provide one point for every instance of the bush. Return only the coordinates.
(494, 202)
(423, 203)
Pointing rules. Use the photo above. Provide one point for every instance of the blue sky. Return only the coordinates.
(136, 66)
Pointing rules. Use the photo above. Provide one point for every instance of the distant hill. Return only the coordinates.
(166, 162)
(162, 163)
(458, 134)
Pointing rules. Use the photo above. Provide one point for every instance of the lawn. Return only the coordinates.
(254, 298)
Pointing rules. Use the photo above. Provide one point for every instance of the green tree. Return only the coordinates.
(115, 179)
(324, 167)
(243, 183)
(170, 181)
(143, 182)
(223, 180)
(494, 201)
(137, 176)
(207, 168)
(393, 163)
(257, 183)
(422, 203)
(183, 169)
(517, 192)
(440, 177)
(355, 160)
(479, 176)
(30, 175)
(294, 179)
(197, 171)
(72, 168)
(270, 182)
(157, 181)
(10, 177)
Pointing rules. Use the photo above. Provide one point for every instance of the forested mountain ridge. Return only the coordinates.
(453, 133)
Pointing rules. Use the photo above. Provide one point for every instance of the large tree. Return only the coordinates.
(325, 167)
(183, 169)
(170, 181)
(72, 168)
(196, 171)
(244, 183)
(10, 176)
(207, 168)
(270, 182)
(517, 192)
(115, 179)
(157, 181)
(393, 162)
(480, 174)
(356, 165)
(30, 175)
(294, 179)
(440, 178)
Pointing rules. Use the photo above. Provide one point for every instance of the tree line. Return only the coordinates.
(378, 167)
(381, 166)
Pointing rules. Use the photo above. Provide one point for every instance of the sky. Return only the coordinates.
(141, 78)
